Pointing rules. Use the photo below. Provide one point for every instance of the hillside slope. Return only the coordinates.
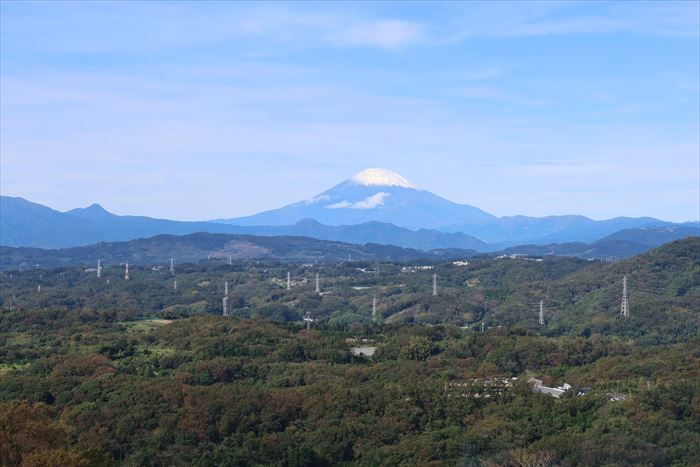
(195, 247)
(663, 290)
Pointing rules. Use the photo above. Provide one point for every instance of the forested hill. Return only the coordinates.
(198, 246)
(622, 244)
(82, 382)
(579, 297)
(663, 289)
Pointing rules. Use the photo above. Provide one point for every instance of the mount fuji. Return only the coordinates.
(373, 195)
(381, 195)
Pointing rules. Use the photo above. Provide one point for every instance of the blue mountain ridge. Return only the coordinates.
(27, 224)
(374, 206)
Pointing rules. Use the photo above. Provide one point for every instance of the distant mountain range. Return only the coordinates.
(372, 232)
(374, 206)
(621, 244)
(23, 223)
(199, 246)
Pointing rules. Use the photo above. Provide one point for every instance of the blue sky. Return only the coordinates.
(208, 110)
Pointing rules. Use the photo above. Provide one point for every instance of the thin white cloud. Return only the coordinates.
(480, 74)
(527, 19)
(495, 93)
(370, 202)
(317, 199)
(480, 92)
(387, 34)
(133, 28)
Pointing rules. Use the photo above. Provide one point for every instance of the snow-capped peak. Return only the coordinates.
(381, 177)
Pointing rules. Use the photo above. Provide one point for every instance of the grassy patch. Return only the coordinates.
(146, 325)
(5, 367)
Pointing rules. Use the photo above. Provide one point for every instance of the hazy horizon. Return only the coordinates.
(191, 111)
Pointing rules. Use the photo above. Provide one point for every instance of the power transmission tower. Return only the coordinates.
(374, 308)
(308, 320)
(434, 285)
(175, 286)
(126, 271)
(289, 280)
(224, 302)
(99, 268)
(226, 288)
(541, 313)
(172, 266)
(625, 308)
(318, 284)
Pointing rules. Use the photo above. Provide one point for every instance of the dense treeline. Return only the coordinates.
(224, 391)
(85, 380)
